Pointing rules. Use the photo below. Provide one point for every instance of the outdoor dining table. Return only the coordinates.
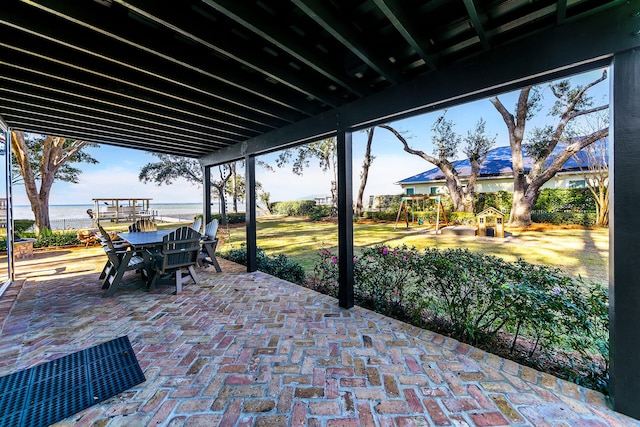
(145, 243)
(140, 240)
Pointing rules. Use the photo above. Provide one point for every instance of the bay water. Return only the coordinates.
(75, 216)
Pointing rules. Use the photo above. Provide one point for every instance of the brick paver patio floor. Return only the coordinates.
(244, 349)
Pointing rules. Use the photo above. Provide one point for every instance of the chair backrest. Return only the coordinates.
(143, 225)
(197, 224)
(105, 238)
(211, 230)
(180, 248)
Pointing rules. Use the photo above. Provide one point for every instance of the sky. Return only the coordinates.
(116, 174)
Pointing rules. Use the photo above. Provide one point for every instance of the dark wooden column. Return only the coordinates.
(9, 218)
(250, 212)
(345, 220)
(624, 234)
(206, 199)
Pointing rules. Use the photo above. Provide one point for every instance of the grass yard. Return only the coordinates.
(577, 251)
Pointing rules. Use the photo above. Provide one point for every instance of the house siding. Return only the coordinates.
(494, 185)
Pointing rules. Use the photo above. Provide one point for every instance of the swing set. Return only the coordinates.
(416, 198)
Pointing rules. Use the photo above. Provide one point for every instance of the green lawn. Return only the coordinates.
(576, 251)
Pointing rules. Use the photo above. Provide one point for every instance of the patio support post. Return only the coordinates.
(9, 218)
(206, 185)
(345, 219)
(250, 212)
(624, 234)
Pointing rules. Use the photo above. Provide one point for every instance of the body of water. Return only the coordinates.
(75, 216)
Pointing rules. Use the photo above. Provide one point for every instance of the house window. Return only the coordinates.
(433, 190)
(579, 183)
(410, 191)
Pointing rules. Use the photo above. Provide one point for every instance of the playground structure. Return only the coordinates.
(417, 198)
(490, 221)
(484, 220)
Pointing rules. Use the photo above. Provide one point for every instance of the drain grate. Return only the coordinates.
(52, 391)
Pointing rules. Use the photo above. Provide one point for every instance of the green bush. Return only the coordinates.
(319, 212)
(548, 318)
(294, 207)
(461, 218)
(380, 215)
(21, 225)
(279, 266)
(501, 200)
(571, 199)
(561, 218)
(232, 218)
(55, 238)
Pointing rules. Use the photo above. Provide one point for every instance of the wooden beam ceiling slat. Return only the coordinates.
(351, 39)
(398, 16)
(287, 42)
(159, 50)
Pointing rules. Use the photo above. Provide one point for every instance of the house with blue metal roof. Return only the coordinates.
(496, 173)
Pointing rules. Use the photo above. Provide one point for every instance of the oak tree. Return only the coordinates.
(543, 144)
(44, 159)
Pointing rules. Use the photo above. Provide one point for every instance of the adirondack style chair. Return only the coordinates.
(120, 259)
(143, 225)
(179, 251)
(119, 263)
(209, 243)
(108, 244)
(197, 224)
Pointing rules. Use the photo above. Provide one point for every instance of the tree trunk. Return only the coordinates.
(523, 202)
(234, 188)
(467, 203)
(455, 192)
(42, 216)
(366, 164)
(602, 207)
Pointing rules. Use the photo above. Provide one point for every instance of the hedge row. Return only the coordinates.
(232, 218)
(586, 219)
(279, 266)
(294, 207)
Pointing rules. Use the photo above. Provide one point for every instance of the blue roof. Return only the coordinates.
(498, 163)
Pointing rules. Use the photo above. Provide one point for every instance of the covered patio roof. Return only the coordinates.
(196, 76)
(224, 80)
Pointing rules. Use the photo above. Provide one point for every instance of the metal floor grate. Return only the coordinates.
(52, 391)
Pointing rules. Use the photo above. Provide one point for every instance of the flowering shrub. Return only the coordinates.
(383, 275)
(541, 315)
(279, 266)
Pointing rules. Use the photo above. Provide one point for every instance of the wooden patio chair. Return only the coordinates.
(197, 224)
(209, 243)
(106, 240)
(120, 262)
(109, 245)
(179, 251)
(142, 225)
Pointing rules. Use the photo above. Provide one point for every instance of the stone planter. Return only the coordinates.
(23, 248)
